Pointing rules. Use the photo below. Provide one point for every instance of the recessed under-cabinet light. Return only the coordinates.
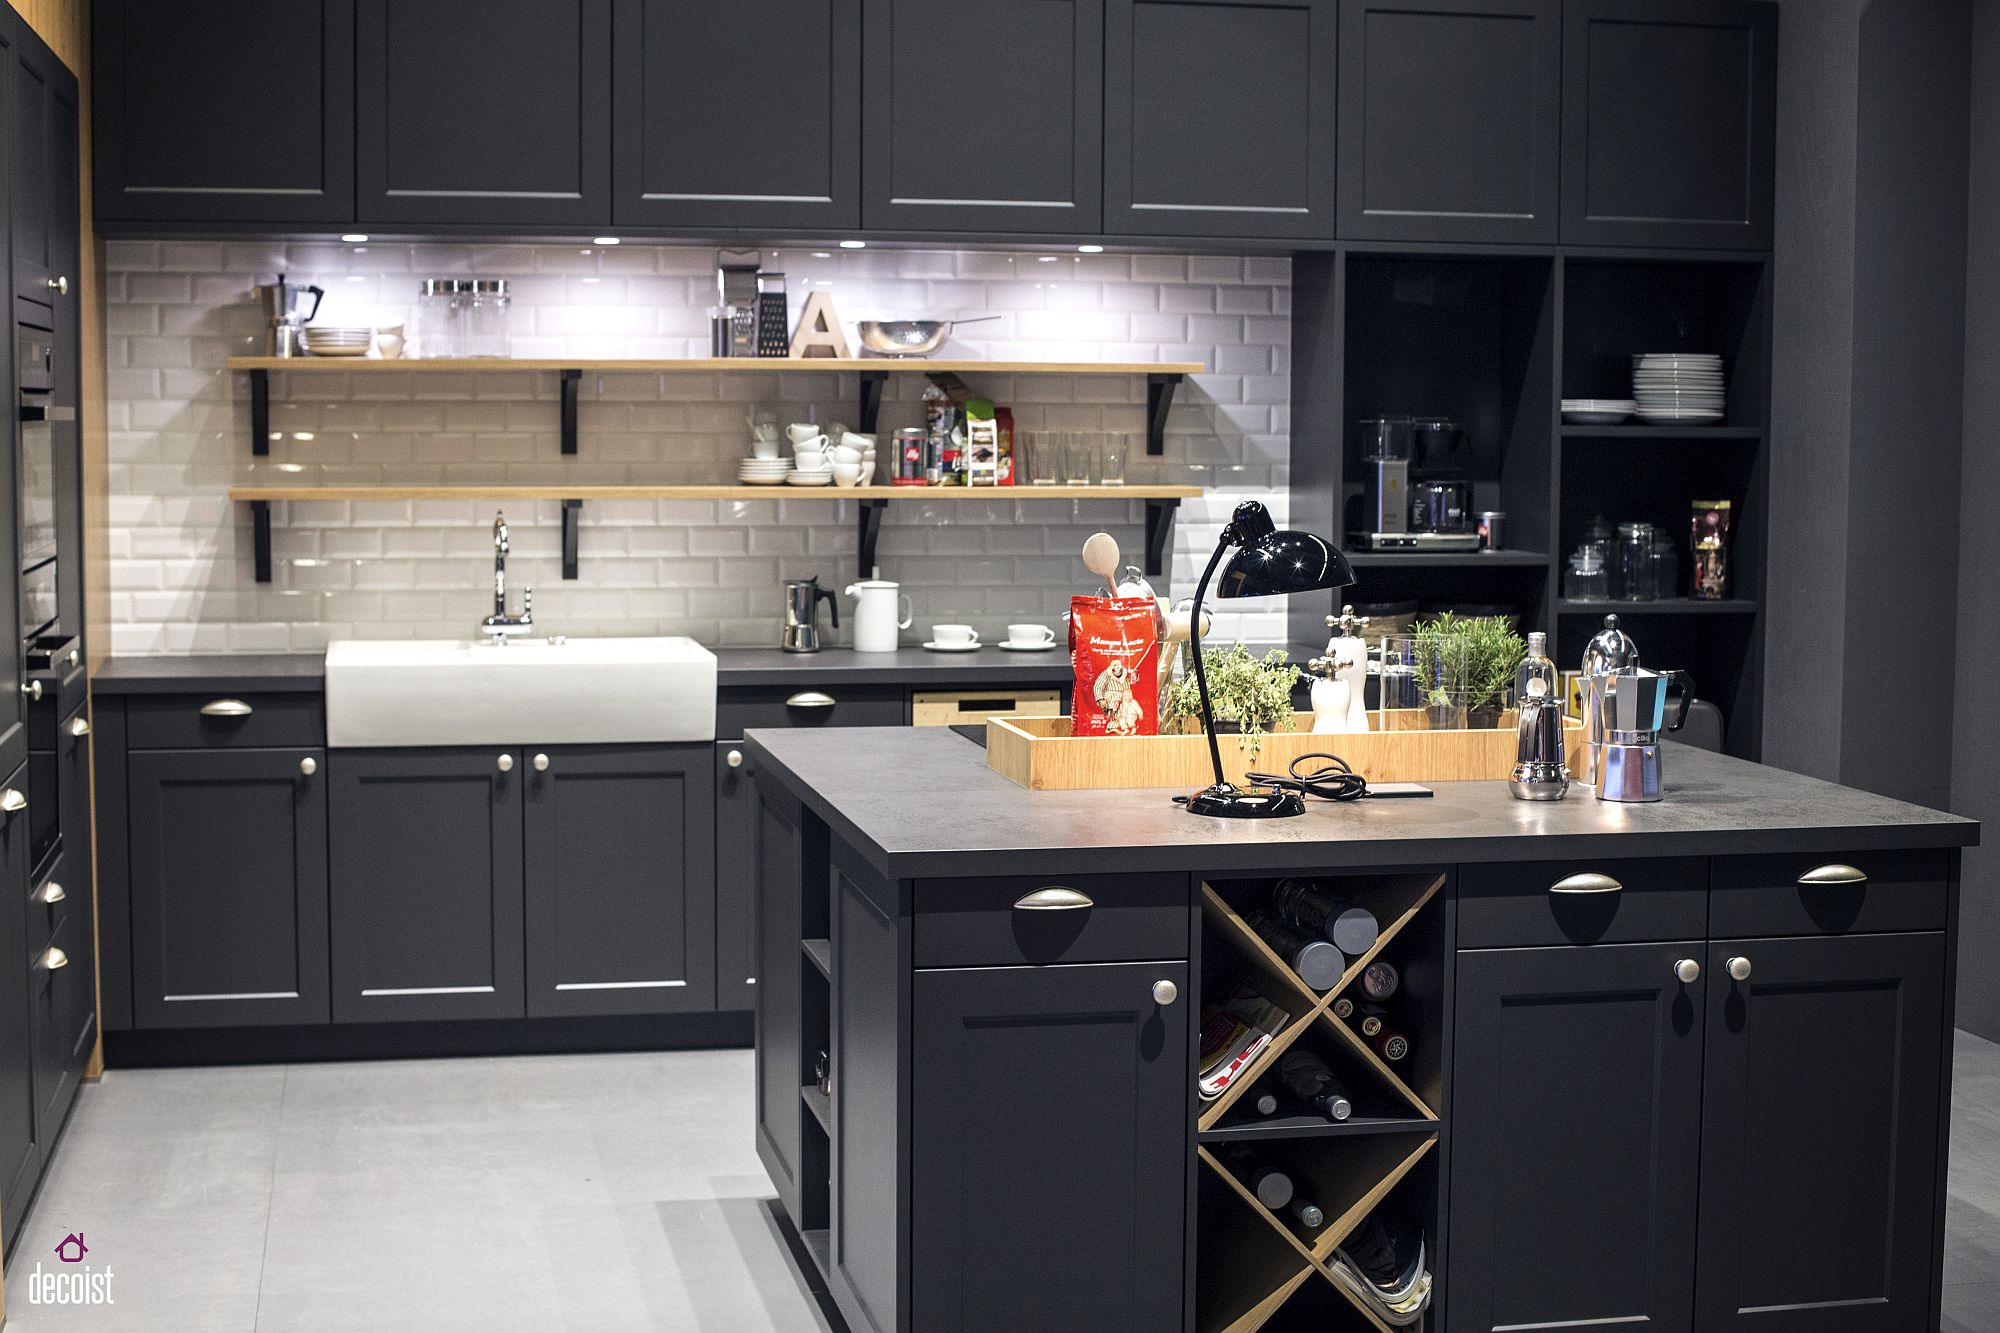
(1090, 249)
(1048, 259)
(355, 238)
(854, 245)
(604, 240)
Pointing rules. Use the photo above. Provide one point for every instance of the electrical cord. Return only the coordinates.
(1334, 780)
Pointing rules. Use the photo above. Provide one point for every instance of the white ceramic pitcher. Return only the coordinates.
(876, 602)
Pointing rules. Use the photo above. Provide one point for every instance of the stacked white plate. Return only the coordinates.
(764, 471)
(1598, 411)
(1679, 388)
(330, 341)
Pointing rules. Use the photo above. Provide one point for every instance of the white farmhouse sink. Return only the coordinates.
(531, 692)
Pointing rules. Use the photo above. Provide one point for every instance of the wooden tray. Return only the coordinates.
(1039, 753)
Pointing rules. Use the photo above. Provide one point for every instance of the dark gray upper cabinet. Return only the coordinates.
(620, 879)
(1669, 129)
(42, 122)
(498, 110)
(1219, 117)
(18, 1162)
(983, 115)
(228, 887)
(739, 115)
(735, 878)
(425, 884)
(225, 110)
(1576, 1113)
(1820, 1135)
(1067, 1093)
(1450, 120)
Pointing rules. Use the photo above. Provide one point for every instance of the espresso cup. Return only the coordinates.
(1031, 636)
(763, 446)
(954, 636)
(804, 432)
(847, 474)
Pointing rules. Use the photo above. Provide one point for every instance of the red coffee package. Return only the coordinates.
(1114, 651)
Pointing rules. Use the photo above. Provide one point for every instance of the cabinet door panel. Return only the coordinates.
(483, 111)
(1450, 125)
(739, 115)
(18, 1160)
(1819, 1141)
(778, 863)
(1576, 1113)
(228, 875)
(735, 878)
(984, 115)
(1669, 122)
(222, 110)
(1067, 1090)
(425, 885)
(1219, 117)
(621, 880)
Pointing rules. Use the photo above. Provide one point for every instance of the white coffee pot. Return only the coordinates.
(876, 604)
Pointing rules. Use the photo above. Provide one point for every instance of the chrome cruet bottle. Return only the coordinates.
(1538, 773)
(1612, 650)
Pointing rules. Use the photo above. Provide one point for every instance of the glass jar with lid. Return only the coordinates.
(486, 311)
(1637, 573)
(436, 327)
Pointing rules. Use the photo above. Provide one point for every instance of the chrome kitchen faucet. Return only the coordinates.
(499, 626)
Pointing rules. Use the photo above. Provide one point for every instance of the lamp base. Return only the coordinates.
(1227, 801)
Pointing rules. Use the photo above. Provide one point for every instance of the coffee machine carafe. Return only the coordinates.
(286, 311)
(1612, 650)
(802, 599)
(1633, 704)
(1385, 477)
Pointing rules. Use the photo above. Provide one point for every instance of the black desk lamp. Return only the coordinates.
(1272, 562)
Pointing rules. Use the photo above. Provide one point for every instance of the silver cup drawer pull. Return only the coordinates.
(51, 894)
(79, 726)
(809, 699)
(12, 802)
(1588, 882)
(1055, 898)
(1833, 874)
(226, 708)
(55, 959)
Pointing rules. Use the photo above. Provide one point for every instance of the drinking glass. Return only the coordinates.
(1078, 456)
(1111, 462)
(1044, 448)
(1425, 683)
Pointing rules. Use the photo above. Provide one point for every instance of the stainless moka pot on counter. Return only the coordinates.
(802, 599)
(1632, 706)
(1611, 650)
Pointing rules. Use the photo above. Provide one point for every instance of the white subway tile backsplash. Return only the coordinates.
(181, 557)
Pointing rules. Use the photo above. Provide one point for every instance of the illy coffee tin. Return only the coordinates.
(912, 445)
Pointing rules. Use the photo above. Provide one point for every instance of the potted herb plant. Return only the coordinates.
(1250, 695)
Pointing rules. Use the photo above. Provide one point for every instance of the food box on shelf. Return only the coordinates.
(1040, 753)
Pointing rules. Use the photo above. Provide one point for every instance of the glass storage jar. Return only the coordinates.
(435, 330)
(1636, 570)
(486, 318)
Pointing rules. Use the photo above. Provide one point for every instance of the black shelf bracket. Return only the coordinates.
(260, 412)
(872, 383)
(1159, 398)
(572, 515)
(260, 534)
(567, 381)
(871, 529)
(1159, 533)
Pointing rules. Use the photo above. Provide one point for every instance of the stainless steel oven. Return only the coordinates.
(36, 470)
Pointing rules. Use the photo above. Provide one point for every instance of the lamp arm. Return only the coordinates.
(1194, 650)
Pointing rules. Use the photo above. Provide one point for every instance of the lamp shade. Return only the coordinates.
(1284, 560)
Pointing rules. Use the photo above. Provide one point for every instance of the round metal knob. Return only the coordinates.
(1688, 970)
(734, 758)
(60, 286)
(541, 763)
(506, 762)
(1739, 969)
(33, 689)
(1165, 992)
(308, 765)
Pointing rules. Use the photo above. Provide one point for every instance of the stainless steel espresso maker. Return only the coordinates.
(287, 312)
(1612, 650)
(1633, 708)
(802, 599)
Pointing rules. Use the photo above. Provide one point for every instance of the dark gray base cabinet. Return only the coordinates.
(19, 1162)
(735, 877)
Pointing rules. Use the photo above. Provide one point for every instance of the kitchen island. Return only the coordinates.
(1683, 1064)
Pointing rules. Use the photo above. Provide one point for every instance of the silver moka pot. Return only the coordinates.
(802, 599)
(1611, 650)
(1633, 709)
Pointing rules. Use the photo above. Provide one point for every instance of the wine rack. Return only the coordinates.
(1257, 1270)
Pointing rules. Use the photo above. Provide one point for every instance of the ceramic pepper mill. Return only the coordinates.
(1340, 696)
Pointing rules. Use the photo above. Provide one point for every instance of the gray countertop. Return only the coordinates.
(277, 672)
(922, 801)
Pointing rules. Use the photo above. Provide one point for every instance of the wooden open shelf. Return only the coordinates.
(726, 364)
(267, 494)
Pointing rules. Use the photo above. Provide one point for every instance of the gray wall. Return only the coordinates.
(1975, 792)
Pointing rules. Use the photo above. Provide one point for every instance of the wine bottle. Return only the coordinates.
(1380, 980)
(1351, 929)
(1370, 1018)
(1391, 1045)
(1308, 1214)
(1318, 963)
(1272, 1187)
(1343, 1008)
(1266, 1102)
(1306, 1077)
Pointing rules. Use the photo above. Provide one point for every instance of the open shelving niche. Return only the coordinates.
(1162, 379)
(1253, 1266)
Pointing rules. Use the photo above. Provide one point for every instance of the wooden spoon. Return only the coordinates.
(1100, 557)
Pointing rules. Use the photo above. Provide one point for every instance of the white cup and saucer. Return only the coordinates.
(953, 639)
(1029, 639)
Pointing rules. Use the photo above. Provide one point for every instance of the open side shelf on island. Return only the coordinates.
(1161, 502)
(1162, 379)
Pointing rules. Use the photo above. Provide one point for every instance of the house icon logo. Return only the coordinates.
(72, 1249)
(83, 1284)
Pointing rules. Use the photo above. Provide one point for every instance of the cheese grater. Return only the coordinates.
(774, 334)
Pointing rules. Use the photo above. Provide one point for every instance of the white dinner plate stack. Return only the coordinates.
(763, 471)
(1678, 388)
(330, 341)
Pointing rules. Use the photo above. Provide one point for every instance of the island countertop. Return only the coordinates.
(921, 802)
